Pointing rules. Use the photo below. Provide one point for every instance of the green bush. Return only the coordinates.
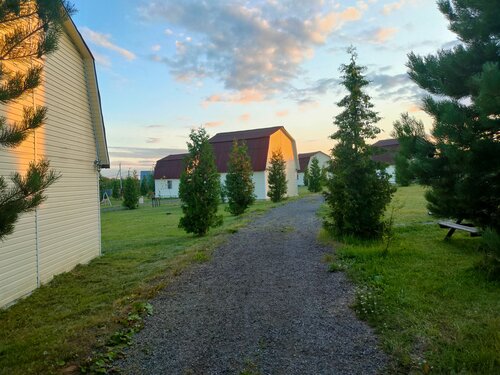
(199, 188)
(131, 192)
(277, 177)
(239, 184)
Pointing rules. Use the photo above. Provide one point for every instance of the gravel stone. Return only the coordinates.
(265, 304)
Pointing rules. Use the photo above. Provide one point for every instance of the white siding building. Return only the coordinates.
(385, 152)
(65, 230)
(261, 144)
(305, 161)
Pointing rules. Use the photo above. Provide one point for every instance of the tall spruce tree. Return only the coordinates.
(199, 188)
(462, 163)
(359, 189)
(239, 184)
(276, 178)
(314, 179)
(30, 29)
(410, 133)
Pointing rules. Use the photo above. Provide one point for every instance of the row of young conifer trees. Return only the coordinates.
(200, 188)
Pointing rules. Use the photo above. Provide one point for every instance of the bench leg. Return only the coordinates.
(452, 230)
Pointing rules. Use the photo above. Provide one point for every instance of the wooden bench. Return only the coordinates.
(474, 232)
(155, 201)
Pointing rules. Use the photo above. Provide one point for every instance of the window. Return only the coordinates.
(169, 184)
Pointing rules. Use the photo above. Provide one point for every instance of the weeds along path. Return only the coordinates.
(265, 304)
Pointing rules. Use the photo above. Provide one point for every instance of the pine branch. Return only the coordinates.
(18, 18)
(24, 38)
(14, 135)
(25, 195)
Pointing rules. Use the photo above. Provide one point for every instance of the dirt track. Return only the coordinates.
(265, 304)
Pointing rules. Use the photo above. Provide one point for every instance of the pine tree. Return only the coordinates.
(30, 29)
(199, 188)
(410, 133)
(359, 189)
(462, 164)
(314, 177)
(116, 189)
(239, 184)
(306, 176)
(276, 179)
(131, 189)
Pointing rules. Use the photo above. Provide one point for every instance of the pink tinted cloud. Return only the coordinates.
(104, 40)
(239, 97)
(383, 34)
(245, 117)
(283, 113)
(213, 124)
(414, 108)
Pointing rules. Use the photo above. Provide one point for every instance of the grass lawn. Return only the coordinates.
(61, 323)
(433, 309)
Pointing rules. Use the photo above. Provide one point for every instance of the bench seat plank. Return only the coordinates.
(449, 224)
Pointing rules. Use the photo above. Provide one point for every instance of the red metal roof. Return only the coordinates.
(386, 142)
(304, 159)
(245, 134)
(257, 141)
(170, 167)
(389, 148)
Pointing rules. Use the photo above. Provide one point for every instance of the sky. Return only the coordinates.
(165, 67)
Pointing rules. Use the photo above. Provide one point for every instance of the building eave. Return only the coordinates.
(94, 94)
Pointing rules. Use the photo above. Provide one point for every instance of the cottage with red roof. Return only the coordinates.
(385, 152)
(261, 144)
(305, 161)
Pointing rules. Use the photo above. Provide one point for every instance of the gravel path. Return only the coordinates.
(265, 304)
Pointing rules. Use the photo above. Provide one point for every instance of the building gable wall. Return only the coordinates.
(64, 230)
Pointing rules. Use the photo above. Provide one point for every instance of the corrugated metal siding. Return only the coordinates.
(68, 222)
(18, 262)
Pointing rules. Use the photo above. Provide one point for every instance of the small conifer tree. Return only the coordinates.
(277, 177)
(359, 189)
(306, 176)
(131, 188)
(116, 189)
(409, 132)
(199, 188)
(239, 184)
(314, 177)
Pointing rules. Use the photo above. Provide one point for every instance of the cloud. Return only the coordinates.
(102, 60)
(154, 126)
(308, 93)
(168, 32)
(378, 35)
(213, 124)
(245, 117)
(414, 108)
(156, 48)
(249, 49)
(103, 40)
(391, 7)
(398, 86)
(138, 158)
(383, 34)
(153, 140)
(240, 97)
(283, 113)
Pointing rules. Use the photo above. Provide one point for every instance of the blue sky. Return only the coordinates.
(167, 66)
